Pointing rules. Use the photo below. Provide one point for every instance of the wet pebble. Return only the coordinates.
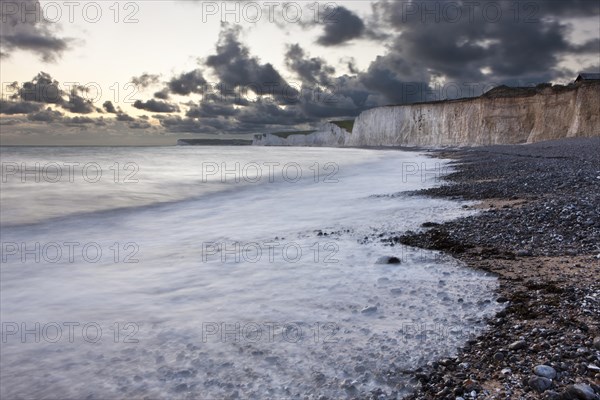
(518, 345)
(580, 391)
(545, 371)
(388, 260)
(539, 383)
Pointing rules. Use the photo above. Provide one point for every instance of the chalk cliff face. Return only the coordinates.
(495, 118)
(329, 135)
(501, 116)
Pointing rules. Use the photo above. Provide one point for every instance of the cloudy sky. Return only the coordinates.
(149, 72)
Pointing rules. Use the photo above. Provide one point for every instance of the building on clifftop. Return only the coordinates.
(587, 77)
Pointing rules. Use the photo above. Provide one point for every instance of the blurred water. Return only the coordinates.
(199, 277)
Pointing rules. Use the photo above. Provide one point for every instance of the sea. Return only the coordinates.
(214, 272)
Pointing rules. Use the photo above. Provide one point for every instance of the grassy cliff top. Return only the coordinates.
(346, 125)
(504, 91)
(287, 134)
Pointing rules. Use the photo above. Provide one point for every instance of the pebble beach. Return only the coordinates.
(538, 231)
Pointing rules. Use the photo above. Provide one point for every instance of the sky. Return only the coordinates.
(149, 72)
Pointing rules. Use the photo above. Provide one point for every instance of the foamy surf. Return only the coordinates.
(230, 288)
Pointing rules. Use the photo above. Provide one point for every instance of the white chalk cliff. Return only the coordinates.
(328, 135)
(501, 116)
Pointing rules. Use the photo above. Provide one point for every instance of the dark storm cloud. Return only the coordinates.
(237, 72)
(347, 96)
(426, 45)
(44, 89)
(30, 97)
(311, 70)
(572, 8)
(352, 87)
(139, 125)
(246, 94)
(53, 116)
(525, 51)
(382, 77)
(249, 93)
(18, 107)
(342, 26)
(255, 117)
(592, 46)
(145, 80)
(77, 104)
(109, 107)
(185, 84)
(271, 113)
(207, 109)
(176, 123)
(124, 117)
(235, 68)
(47, 115)
(77, 120)
(32, 33)
(350, 64)
(526, 46)
(120, 115)
(162, 94)
(156, 106)
(238, 101)
(334, 107)
(34, 113)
